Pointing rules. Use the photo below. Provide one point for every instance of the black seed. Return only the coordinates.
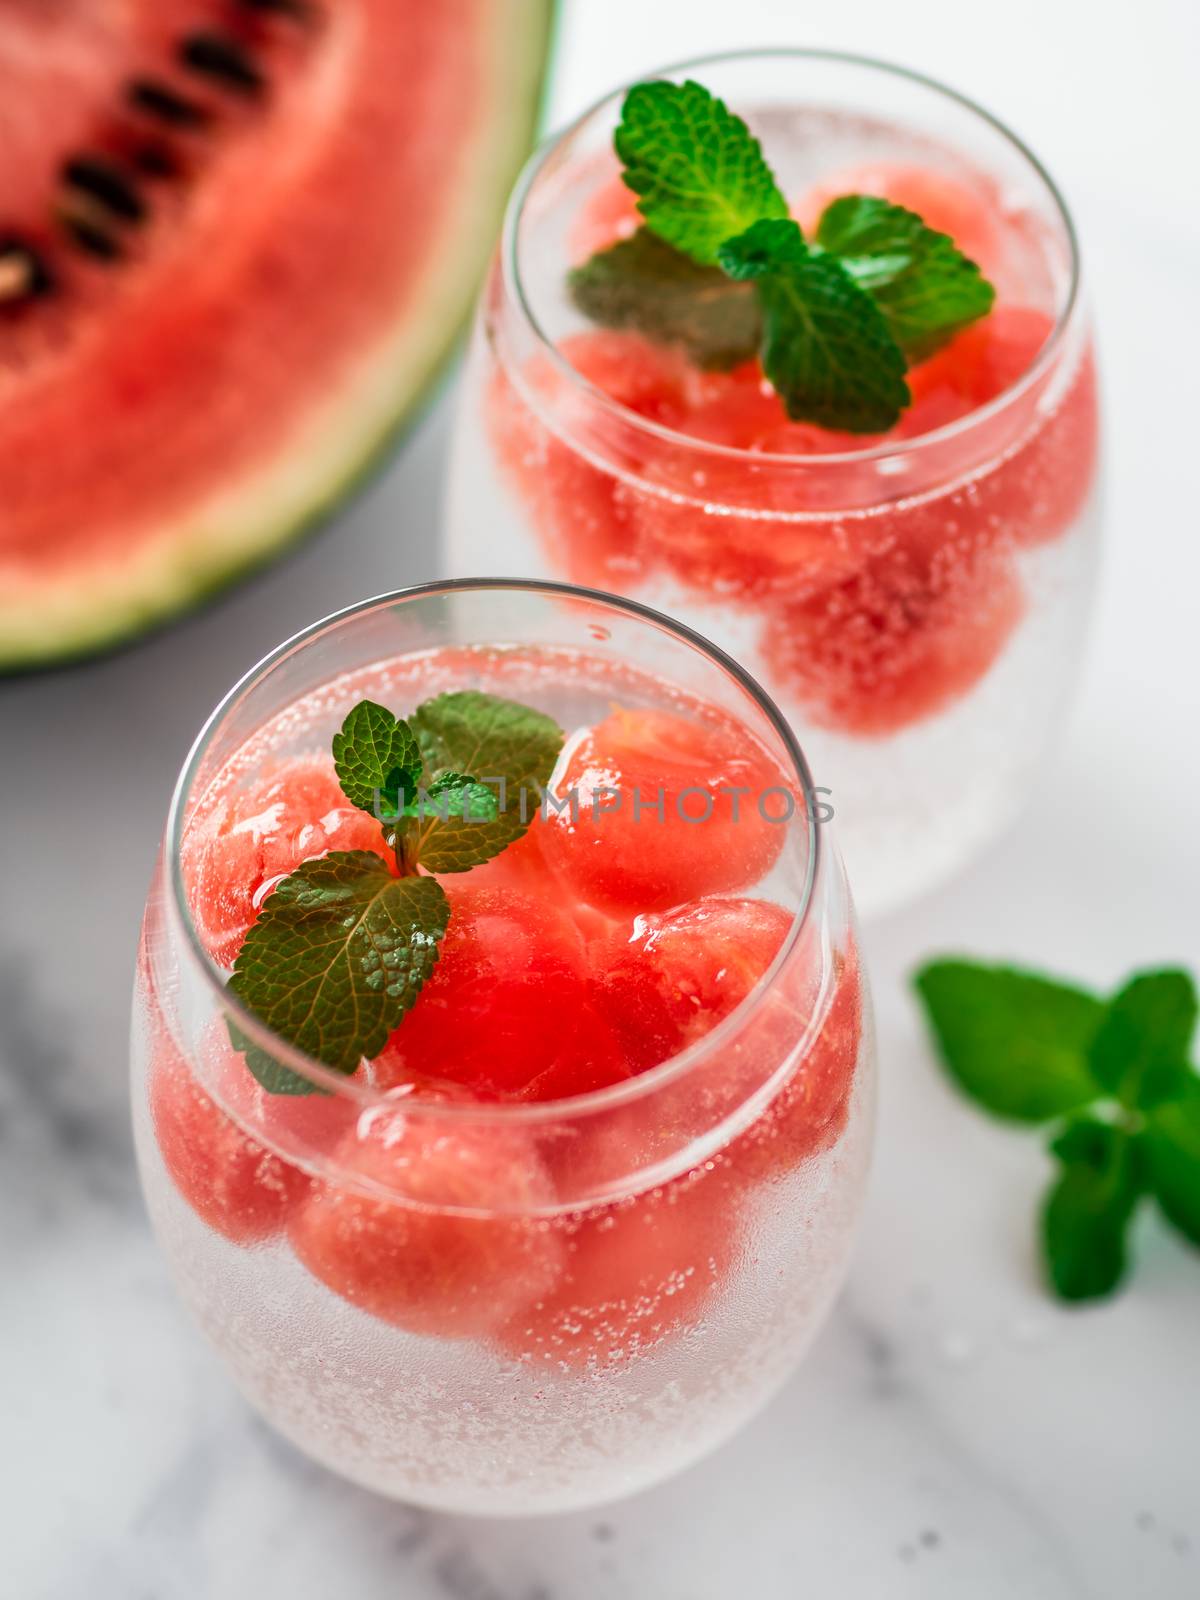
(105, 182)
(92, 239)
(156, 161)
(285, 8)
(220, 57)
(23, 273)
(161, 101)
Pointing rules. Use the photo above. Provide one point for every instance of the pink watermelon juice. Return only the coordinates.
(582, 1212)
(914, 600)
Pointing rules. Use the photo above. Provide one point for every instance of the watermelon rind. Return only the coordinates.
(75, 614)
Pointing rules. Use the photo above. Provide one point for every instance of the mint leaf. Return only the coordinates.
(645, 284)
(1140, 1051)
(454, 794)
(506, 747)
(1014, 1042)
(337, 955)
(925, 287)
(377, 760)
(1172, 1145)
(698, 170)
(1087, 1211)
(826, 347)
(451, 823)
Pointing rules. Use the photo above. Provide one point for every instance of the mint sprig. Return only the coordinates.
(826, 347)
(343, 945)
(836, 318)
(1033, 1049)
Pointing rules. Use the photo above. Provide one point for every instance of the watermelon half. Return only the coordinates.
(236, 239)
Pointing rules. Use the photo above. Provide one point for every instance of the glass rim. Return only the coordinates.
(515, 286)
(541, 1112)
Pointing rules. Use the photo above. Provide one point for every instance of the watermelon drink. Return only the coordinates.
(573, 1218)
(914, 597)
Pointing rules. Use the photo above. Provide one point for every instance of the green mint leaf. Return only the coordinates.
(1087, 1212)
(445, 823)
(454, 794)
(699, 172)
(337, 955)
(925, 287)
(1172, 1145)
(1014, 1042)
(377, 760)
(826, 347)
(645, 284)
(506, 747)
(1140, 1051)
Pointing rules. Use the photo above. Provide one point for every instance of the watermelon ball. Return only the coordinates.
(580, 512)
(635, 1274)
(668, 979)
(981, 362)
(1036, 492)
(240, 846)
(295, 1124)
(232, 1182)
(523, 867)
(520, 866)
(732, 409)
(619, 853)
(911, 633)
(671, 979)
(688, 501)
(688, 521)
(1043, 488)
(507, 1010)
(412, 1261)
(651, 380)
(809, 1113)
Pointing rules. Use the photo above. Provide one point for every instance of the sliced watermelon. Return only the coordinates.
(236, 240)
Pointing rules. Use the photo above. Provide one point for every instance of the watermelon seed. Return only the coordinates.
(286, 8)
(23, 273)
(220, 57)
(84, 225)
(156, 161)
(161, 101)
(105, 183)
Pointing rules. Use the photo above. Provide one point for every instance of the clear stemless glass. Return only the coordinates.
(520, 1306)
(916, 601)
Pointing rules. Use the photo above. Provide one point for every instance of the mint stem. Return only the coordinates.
(406, 861)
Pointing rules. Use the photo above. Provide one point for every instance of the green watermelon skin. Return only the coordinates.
(162, 432)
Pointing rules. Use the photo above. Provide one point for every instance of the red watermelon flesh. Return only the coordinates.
(235, 240)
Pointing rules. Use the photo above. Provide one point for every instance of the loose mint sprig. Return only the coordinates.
(1113, 1075)
(342, 946)
(720, 270)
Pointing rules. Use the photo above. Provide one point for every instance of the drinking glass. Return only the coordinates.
(916, 601)
(538, 1305)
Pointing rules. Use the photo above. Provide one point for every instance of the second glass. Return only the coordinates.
(916, 602)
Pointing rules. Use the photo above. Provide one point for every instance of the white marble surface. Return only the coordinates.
(954, 1433)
